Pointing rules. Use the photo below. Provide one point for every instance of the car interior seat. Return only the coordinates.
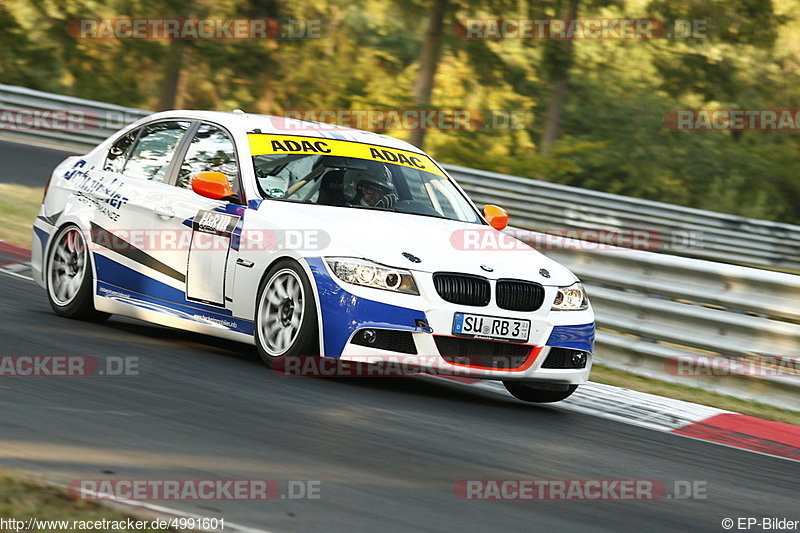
(331, 189)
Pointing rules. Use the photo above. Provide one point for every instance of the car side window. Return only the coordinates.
(118, 153)
(211, 149)
(151, 156)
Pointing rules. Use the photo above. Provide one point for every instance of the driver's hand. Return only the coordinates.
(387, 202)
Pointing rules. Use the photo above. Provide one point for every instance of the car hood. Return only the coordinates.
(439, 244)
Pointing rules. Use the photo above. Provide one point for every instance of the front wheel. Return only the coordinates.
(286, 315)
(69, 277)
(539, 392)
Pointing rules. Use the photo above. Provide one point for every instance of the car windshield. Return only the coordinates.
(376, 182)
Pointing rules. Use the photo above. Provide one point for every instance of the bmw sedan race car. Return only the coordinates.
(313, 242)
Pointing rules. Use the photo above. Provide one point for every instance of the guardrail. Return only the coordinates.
(667, 228)
(653, 309)
(725, 328)
(64, 121)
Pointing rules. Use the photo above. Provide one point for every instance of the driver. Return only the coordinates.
(371, 189)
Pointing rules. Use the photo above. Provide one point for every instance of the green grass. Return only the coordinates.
(620, 378)
(22, 499)
(18, 207)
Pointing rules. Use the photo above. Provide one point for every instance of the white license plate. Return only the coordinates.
(491, 327)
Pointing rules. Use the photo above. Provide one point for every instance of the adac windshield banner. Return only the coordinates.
(261, 144)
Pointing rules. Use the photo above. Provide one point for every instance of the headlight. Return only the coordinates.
(369, 274)
(572, 298)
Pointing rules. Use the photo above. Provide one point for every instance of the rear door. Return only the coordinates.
(126, 252)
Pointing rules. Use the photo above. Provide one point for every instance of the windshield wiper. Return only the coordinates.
(372, 208)
(389, 210)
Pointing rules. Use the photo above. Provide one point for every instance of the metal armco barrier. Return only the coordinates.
(63, 121)
(657, 314)
(676, 300)
(670, 228)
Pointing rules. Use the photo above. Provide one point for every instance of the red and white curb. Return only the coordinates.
(688, 419)
(15, 260)
(749, 433)
(614, 403)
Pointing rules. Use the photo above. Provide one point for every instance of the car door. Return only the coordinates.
(137, 164)
(208, 247)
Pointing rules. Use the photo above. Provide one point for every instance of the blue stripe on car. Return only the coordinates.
(43, 236)
(119, 275)
(577, 337)
(344, 312)
(173, 309)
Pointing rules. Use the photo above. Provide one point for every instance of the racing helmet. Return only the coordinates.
(377, 175)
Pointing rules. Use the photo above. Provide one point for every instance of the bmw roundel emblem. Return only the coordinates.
(544, 273)
(411, 257)
(487, 268)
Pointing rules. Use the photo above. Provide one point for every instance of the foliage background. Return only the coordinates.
(609, 134)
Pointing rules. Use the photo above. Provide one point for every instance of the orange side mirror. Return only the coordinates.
(212, 185)
(497, 217)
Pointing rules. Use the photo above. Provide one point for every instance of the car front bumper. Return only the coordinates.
(426, 323)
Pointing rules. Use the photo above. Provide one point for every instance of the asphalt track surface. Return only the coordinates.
(387, 452)
(28, 165)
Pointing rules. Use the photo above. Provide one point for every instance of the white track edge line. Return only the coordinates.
(164, 510)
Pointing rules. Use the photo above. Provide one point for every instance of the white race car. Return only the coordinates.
(313, 242)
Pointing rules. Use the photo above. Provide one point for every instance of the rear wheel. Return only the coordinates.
(286, 315)
(528, 391)
(69, 277)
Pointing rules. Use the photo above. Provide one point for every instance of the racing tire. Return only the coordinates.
(68, 276)
(543, 393)
(286, 315)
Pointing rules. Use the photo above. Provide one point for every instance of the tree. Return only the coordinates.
(558, 59)
(428, 62)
